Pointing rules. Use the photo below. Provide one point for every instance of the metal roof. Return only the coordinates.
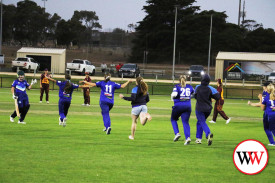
(41, 50)
(246, 56)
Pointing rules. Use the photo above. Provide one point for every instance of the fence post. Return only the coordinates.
(225, 82)
(252, 94)
(1, 81)
(34, 72)
(190, 80)
(243, 82)
(53, 85)
(127, 89)
(122, 77)
(226, 89)
(261, 82)
(156, 78)
(152, 89)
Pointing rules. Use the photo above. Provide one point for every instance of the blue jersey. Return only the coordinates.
(107, 90)
(183, 94)
(269, 105)
(62, 93)
(20, 87)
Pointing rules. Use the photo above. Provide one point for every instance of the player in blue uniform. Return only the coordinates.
(268, 106)
(139, 98)
(203, 94)
(106, 100)
(18, 90)
(182, 108)
(66, 89)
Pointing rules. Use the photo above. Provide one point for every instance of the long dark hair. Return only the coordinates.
(143, 85)
(68, 85)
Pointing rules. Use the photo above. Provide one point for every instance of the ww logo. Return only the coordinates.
(250, 157)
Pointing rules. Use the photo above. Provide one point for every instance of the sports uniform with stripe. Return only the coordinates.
(182, 108)
(269, 117)
(203, 95)
(23, 100)
(218, 106)
(106, 100)
(45, 84)
(64, 98)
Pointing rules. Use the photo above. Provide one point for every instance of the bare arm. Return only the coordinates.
(88, 83)
(51, 79)
(12, 90)
(263, 107)
(125, 84)
(254, 104)
(84, 86)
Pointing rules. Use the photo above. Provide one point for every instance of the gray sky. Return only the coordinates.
(119, 13)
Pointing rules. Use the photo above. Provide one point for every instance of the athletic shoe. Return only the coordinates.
(88, 105)
(21, 122)
(212, 121)
(108, 131)
(227, 121)
(60, 122)
(131, 137)
(104, 129)
(210, 139)
(40, 102)
(176, 138)
(271, 144)
(48, 102)
(198, 141)
(64, 122)
(11, 119)
(84, 104)
(187, 142)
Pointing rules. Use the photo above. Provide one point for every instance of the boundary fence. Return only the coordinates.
(154, 89)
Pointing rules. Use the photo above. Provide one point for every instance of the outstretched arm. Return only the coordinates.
(90, 84)
(125, 84)
(51, 79)
(84, 86)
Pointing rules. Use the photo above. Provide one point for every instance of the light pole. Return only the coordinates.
(209, 45)
(44, 5)
(1, 28)
(175, 36)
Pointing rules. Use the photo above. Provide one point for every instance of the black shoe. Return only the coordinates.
(108, 131)
(210, 139)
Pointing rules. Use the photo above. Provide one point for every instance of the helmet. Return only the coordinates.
(20, 73)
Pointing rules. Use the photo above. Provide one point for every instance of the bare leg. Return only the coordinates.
(134, 125)
(144, 117)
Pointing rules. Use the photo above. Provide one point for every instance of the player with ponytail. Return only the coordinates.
(65, 96)
(268, 105)
(139, 98)
(106, 100)
(181, 96)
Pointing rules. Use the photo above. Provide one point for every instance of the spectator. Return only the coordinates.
(103, 67)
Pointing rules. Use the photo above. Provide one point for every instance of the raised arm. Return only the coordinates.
(125, 84)
(88, 83)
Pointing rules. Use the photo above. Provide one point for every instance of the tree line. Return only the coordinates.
(152, 39)
(29, 24)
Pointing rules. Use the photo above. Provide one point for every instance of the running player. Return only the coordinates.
(139, 98)
(65, 96)
(268, 106)
(203, 94)
(106, 100)
(18, 90)
(44, 85)
(219, 104)
(182, 108)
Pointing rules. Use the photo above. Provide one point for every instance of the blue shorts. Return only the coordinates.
(138, 109)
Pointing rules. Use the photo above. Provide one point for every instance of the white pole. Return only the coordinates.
(175, 36)
(209, 46)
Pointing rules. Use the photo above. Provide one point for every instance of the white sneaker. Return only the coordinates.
(131, 137)
(227, 121)
(88, 105)
(21, 122)
(60, 122)
(108, 131)
(210, 139)
(212, 121)
(198, 141)
(83, 104)
(271, 144)
(48, 102)
(40, 101)
(11, 119)
(187, 142)
(104, 129)
(177, 137)
(64, 122)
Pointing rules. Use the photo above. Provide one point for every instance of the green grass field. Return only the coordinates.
(43, 151)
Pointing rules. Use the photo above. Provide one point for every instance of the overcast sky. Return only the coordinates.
(119, 13)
